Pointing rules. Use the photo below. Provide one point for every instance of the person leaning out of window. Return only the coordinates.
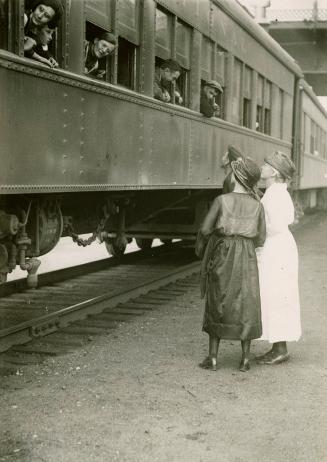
(209, 92)
(164, 79)
(41, 18)
(98, 48)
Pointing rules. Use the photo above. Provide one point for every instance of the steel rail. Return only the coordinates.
(44, 325)
(59, 275)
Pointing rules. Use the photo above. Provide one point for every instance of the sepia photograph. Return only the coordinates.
(163, 230)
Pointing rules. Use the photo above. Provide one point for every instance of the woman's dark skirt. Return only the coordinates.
(230, 284)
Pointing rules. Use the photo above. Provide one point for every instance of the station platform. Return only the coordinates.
(136, 394)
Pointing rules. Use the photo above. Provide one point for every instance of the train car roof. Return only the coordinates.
(242, 17)
(309, 91)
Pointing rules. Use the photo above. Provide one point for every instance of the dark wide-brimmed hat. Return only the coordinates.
(56, 5)
(247, 173)
(282, 163)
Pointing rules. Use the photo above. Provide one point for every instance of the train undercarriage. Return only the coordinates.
(31, 225)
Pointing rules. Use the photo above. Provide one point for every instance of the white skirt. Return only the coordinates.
(279, 290)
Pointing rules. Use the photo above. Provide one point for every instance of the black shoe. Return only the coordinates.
(210, 362)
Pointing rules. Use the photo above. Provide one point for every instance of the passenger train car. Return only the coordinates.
(81, 155)
(312, 169)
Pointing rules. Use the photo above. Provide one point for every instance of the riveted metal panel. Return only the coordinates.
(77, 134)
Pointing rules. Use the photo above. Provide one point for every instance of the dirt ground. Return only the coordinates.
(137, 393)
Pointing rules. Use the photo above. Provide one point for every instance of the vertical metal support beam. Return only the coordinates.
(195, 71)
(76, 36)
(147, 53)
(229, 88)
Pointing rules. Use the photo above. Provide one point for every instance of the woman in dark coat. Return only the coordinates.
(234, 226)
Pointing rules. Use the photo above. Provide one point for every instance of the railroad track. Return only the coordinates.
(88, 304)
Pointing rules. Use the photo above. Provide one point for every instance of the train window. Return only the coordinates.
(247, 85)
(183, 44)
(98, 68)
(237, 88)
(183, 57)
(281, 113)
(312, 137)
(128, 13)
(304, 132)
(267, 121)
(173, 41)
(259, 116)
(207, 58)
(128, 20)
(164, 28)
(182, 88)
(246, 112)
(267, 113)
(220, 72)
(98, 13)
(4, 24)
(317, 141)
(126, 71)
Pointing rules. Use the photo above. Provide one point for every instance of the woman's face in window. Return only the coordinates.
(42, 15)
(103, 48)
(45, 35)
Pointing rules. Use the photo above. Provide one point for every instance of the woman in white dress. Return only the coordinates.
(278, 262)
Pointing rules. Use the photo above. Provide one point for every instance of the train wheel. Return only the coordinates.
(144, 244)
(115, 248)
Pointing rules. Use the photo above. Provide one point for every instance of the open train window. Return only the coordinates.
(267, 104)
(259, 125)
(183, 57)
(173, 41)
(127, 64)
(281, 113)
(220, 77)
(4, 24)
(246, 113)
(259, 119)
(267, 121)
(312, 137)
(182, 88)
(247, 87)
(95, 67)
(237, 88)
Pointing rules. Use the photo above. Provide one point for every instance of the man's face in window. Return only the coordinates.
(210, 92)
(102, 48)
(169, 75)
